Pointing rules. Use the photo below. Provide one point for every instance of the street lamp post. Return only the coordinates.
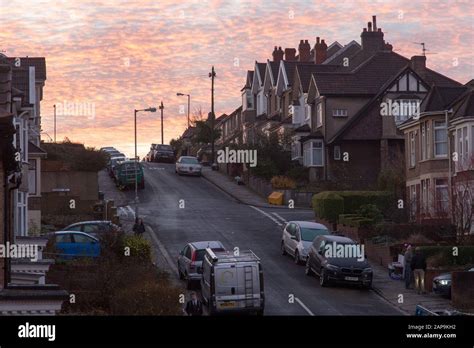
(189, 102)
(150, 109)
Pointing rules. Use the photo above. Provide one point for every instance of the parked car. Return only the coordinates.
(190, 260)
(107, 149)
(125, 172)
(163, 153)
(442, 283)
(94, 228)
(298, 236)
(338, 269)
(75, 244)
(232, 283)
(188, 165)
(113, 161)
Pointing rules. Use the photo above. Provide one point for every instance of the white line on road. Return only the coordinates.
(267, 215)
(304, 306)
(163, 250)
(280, 218)
(131, 211)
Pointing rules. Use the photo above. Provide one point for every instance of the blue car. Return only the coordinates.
(74, 244)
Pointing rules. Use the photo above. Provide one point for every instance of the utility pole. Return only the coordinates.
(54, 106)
(189, 104)
(136, 168)
(212, 75)
(161, 107)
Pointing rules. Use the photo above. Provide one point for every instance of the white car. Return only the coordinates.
(298, 236)
(188, 165)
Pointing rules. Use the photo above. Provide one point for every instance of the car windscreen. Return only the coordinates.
(308, 234)
(189, 160)
(164, 148)
(201, 252)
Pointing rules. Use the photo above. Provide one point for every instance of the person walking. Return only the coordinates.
(407, 273)
(418, 266)
(194, 306)
(139, 227)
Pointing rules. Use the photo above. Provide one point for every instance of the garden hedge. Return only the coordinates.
(323, 202)
(465, 254)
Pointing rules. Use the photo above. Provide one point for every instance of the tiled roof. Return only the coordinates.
(303, 128)
(305, 72)
(261, 70)
(312, 135)
(348, 51)
(466, 105)
(333, 48)
(274, 69)
(33, 149)
(439, 98)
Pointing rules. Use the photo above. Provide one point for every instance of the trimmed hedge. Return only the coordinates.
(328, 205)
(445, 253)
(354, 220)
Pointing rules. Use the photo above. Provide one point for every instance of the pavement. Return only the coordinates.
(181, 209)
(240, 193)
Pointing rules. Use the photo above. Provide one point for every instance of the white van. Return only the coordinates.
(232, 283)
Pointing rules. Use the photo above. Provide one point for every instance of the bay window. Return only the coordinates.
(440, 139)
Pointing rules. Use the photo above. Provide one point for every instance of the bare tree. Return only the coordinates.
(463, 196)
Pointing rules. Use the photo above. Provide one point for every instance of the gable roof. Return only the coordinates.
(464, 105)
(305, 72)
(439, 98)
(248, 80)
(347, 51)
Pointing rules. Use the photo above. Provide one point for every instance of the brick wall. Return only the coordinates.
(462, 291)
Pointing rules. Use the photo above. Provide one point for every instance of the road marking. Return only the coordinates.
(280, 218)
(163, 250)
(267, 215)
(130, 210)
(304, 306)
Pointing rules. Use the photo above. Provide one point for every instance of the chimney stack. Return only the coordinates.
(320, 51)
(418, 63)
(277, 54)
(372, 37)
(290, 54)
(304, 51)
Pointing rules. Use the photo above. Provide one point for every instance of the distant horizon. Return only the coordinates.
(110, 57)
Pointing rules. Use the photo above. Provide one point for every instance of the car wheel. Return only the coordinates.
(283, 251)
(297, 257)
(307, 269)
(367, 286)
(323, 280)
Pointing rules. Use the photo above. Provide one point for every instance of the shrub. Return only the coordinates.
(299, 173)
(283, 183)
(371, 212)
(353, 200)
(328, 205)
(140, 247)
(355, 220)
(444, 255)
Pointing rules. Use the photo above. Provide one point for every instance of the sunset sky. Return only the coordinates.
(118, 55)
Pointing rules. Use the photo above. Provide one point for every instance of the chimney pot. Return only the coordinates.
(317, 39)
(374, 21)
(369, 26)
(418, 63)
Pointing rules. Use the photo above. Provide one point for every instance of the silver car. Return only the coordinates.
(298, 236)
(188, 165)
(190, 260)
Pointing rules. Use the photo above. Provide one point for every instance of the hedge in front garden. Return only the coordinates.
(351, 202)
(354, 220)
(328, 205)
(465, 254)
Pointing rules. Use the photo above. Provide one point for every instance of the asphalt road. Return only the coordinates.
(210, 214)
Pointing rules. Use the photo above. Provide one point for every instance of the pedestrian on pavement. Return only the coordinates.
(407, 273)
(194, 306)
(139, 227)
(418, 266)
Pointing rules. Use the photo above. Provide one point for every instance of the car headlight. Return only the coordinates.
(444, 282)
(367, 270)
(332, 267)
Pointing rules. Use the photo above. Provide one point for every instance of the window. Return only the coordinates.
(339, 112)
(21, 214)
(307, 116)
(440, 139)
(89, 228)
(442, 196)
(33, 187)
(319, 115)
(423, 141)
(295, 149)
(412, 149)
(313, 153)
(80, 238)
(63, 238)
(413, 202)
(337, 152)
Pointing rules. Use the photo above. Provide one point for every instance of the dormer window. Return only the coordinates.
(247, 100)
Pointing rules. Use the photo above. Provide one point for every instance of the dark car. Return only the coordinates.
(94, 228)
(163, 153)
(347, 267)
(442, 284)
